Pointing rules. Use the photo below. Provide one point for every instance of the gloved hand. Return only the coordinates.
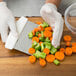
(7, 22)
(54, 19)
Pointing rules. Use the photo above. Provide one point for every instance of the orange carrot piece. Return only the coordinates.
(68, 51)
(33, 32)
(48, 29)
(40, 28)
(74, 44)
(42, 62)
(62, 50)
(51, 38)
(59, 55)
(32, 59)
(36, 29)
(39, 35)
(67, 43)
(67, 38)
(40, 43)
(74, 49)
(35, 39)
(38, 23)
(46, 50)
(50, 58)
(31, 50)
(47, 34)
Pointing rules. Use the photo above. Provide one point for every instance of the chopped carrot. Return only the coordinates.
(59, 55)
(62, 50)
(48, 28)
(39, 35)
(33, 32)
(51, 38)
(67, 38)
(38, 23)
(31, 50)
(32, 59)
(40, 43)
(50, 58)
(40, 28)
(35, 39)
(47, 34)
(68, 51)
(46, 50)
(42, 62)
(74, 49)
(67, 43)
(74, 44)
(36, 29)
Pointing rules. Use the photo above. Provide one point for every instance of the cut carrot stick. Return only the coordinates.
(32, 59)
(46, 50)
(67, 38)
(40, 43)
(35, 39)
(50, 58)
(38, 23)
(47, 34)
(67, 43)
(74, 49)
(39, 35)
(68, 51)
(42, 62)
(59, 55)
(62, 50)
(31, 50)
(74, 44)
(48, 29)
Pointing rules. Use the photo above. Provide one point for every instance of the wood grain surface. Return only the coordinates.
(15, 63)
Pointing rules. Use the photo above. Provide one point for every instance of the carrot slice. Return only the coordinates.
(31, 50)
(68, 51)
(39, 35)
(46, 50)
(33, 32)
(74, 49)
(51, 38)
(32, 59)
(47, 34)
(40, 28)
(38, 23)
(35, 39)
(36, 29)
(59, 55)
(62, 50)
(50, 58)
(40, 43)
(42, 62)
(74, 44)
(48, 29)
(67, 43)
(67, 38)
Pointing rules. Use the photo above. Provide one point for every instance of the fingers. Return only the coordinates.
(4, 34)
(57, 33)
(12, 25)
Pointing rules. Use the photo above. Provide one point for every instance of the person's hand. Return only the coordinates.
(7, 22)
(54, 19)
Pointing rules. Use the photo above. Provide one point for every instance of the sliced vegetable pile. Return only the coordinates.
(42, 48)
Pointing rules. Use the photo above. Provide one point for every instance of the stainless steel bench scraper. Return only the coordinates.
(23, 43)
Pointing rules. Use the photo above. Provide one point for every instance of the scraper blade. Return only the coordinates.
(24, 43)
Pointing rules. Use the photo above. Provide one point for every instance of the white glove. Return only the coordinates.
(7, 22)
(54, 19)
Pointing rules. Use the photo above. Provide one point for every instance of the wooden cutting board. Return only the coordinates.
(15, 63)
